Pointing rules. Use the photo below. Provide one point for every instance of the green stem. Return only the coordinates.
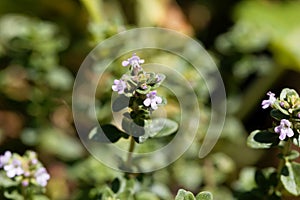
(285, 151)
(94, 9)
(130, 151)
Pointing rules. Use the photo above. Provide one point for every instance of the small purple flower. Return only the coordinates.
(4, 159)
(34, 161)
(25, 183)
(134, 61)
(267, 103)
(14, 169)
(42, 176)
(119, 86)
(284, 129)
(152, 100)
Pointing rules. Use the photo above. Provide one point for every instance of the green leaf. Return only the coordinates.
(262, 139)
(261, 180)
(184, 195)
(142, 91)
(278, 115)
(288, 92)
(5, 181)
(13, 195)
(40, 197)
(204, 196)
(293, 155)
(120, 103)
(56, 142)
(291, 181)
(132, 128)
(145, 195)
(109, 133)
(161, 127)
(282, 110)
(115, 185)
(107, 193)
(271, 23)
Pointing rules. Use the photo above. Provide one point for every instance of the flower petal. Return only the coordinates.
(153, 105)
(158, 100)
(147, 102)
(290, 132)
(282, 136)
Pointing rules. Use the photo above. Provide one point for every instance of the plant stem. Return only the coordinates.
(284, 152)
(93, 8)
(130, 151)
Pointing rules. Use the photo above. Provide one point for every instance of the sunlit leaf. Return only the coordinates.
(262, 139)
(291, 180)
(204, 196)
(184, 195)
(14, 195)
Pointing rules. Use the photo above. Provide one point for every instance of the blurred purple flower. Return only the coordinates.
(134, 61)
(25, 183)
(152, 100)
(14, 169)
(4, 159)
(267, 103)
(42, 176)
(119, 86)
(284, 129)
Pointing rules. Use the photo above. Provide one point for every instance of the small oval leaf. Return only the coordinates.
(291, 182)
(204, 196)
(262, 139)
(109, 133)
(120, 103)
(161, 127)
(276, 114)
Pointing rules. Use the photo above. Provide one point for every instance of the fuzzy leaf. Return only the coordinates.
(184, 195)
(109, 133)
(204, 196)
(120, 102)
(132, 128)
(13, 195)
(288, 92)
(161, 127)
(291, 180)
(262, 139)
(5, 181)
(276, 114)
(293, 155)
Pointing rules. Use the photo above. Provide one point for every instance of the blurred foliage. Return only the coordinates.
(43, 43)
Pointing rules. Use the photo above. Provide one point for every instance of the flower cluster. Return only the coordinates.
(139, 84)
(286, 109)
(25, 170)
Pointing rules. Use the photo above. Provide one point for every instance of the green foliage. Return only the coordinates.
(262, 139)
(291, 180)
(187, 195)
(274, 24)
(40, 55)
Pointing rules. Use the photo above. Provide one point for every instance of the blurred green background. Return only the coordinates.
(256, 45)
